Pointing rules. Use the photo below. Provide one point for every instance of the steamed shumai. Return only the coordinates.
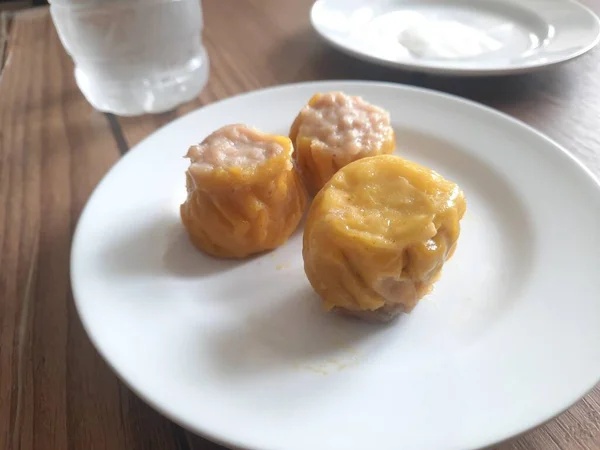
(378, 234)
(244, 194)
(335, 129)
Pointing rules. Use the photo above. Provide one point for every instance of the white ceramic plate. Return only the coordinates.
(241, 352)
(460, 37)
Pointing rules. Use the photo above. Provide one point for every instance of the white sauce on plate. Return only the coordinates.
(446, 39)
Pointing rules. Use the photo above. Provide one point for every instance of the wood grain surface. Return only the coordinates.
(55, 391)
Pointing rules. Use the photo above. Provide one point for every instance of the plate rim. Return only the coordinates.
(230, 442)
(457, 71)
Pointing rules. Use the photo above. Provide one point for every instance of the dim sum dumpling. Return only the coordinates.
(244, 193)
(335, 129)
(378, 234)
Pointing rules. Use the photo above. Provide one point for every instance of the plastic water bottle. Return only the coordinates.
(134, 56)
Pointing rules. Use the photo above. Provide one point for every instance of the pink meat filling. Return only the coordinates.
(345, 124)
(233, 146)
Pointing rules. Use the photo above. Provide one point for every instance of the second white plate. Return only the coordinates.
(460, 37)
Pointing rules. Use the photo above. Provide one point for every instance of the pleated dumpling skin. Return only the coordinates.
(378, 234)
(244, 193)
(333, 130)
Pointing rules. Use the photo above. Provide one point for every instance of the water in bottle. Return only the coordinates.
(134, 56)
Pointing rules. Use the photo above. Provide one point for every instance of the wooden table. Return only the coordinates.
(55, 391)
